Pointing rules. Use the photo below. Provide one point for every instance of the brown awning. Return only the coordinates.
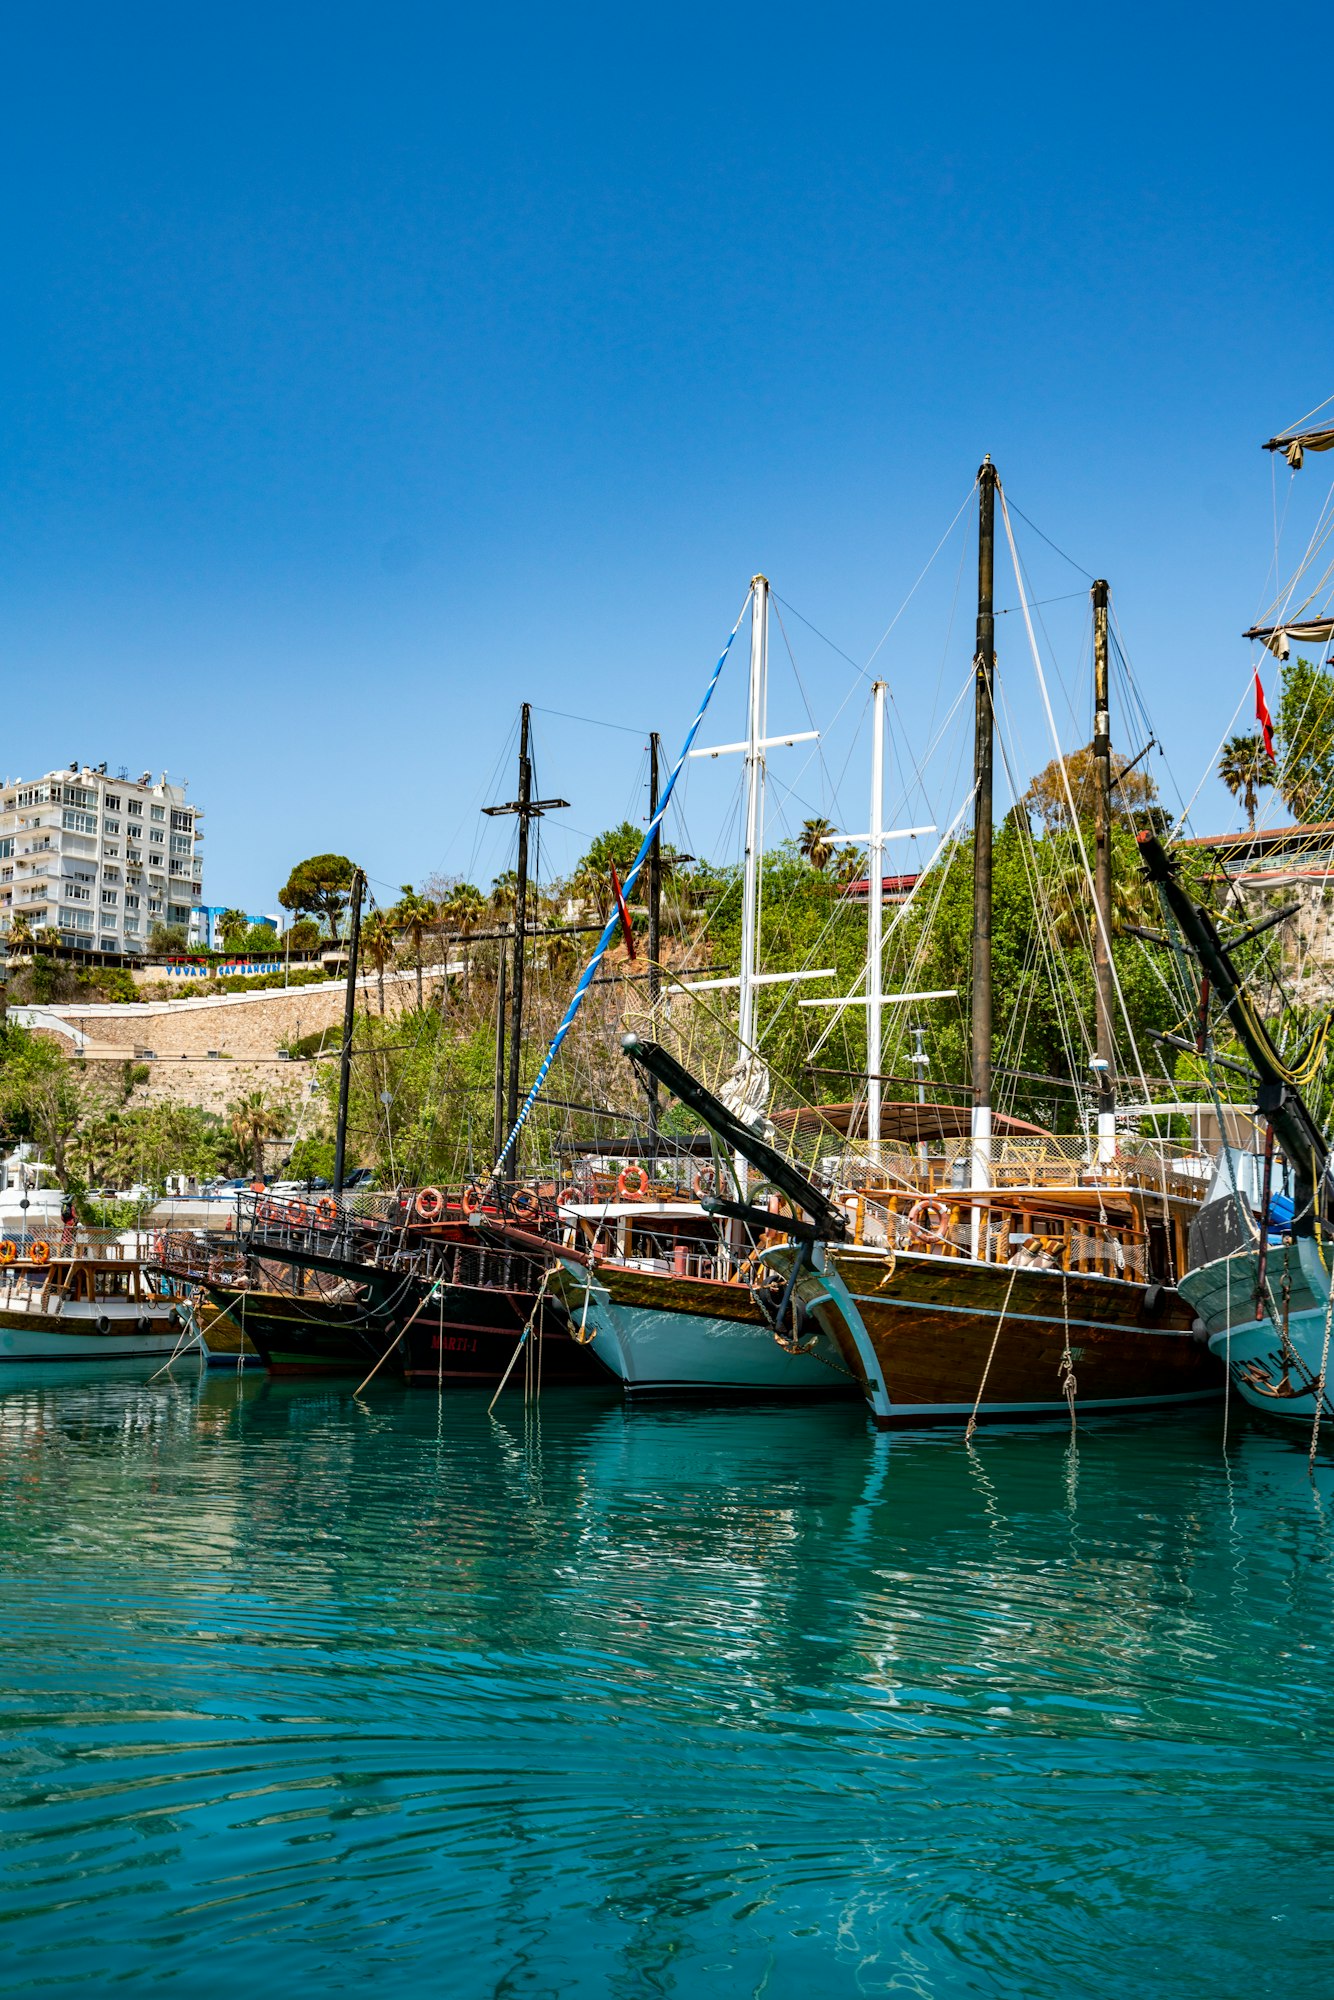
(1306, 631)
(910, 1124)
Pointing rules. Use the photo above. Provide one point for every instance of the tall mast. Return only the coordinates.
(654, 924)
(756, 705)
(875, 921)
(520, 922)
(984, 667)
(524, 808)
(1102, 877)
(498, 1128)
(349, 1020)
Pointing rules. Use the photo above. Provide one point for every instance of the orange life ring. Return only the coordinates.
(523, 1203)
(429, 1203)
(623, 1187)
(568, 1197)
(8, 1251)
(326, 1211)
(39, 1252)
(296, 1213)
(472, 1198)
(928, 1204)
(706, 1180)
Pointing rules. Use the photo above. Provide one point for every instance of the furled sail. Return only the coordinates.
(1305, 631)
(1295, 446)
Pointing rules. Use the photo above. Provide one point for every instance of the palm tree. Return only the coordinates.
(461, 909)
(252, 1121)
(814, 842)
(377, 942)
(504, 893)
(1246, 770)
(414, 916)
(21, 936)
(232, 928)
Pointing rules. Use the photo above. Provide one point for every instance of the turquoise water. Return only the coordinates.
(303, 1693)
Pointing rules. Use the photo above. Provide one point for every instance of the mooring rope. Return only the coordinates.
(981, 1387)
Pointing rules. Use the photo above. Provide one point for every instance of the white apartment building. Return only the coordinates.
(99, 859)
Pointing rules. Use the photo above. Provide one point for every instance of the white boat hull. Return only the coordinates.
(1278, 1375)
(73, 1335)
(664, 1351)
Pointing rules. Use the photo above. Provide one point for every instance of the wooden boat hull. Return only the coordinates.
(663, 1335)
(463, 1334)
(932, 1338)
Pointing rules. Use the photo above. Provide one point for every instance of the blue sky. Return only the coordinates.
(369, 370)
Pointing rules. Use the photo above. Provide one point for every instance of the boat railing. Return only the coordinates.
(945, 1228)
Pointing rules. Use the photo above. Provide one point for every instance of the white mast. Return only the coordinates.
(756, 706)
(875, 922)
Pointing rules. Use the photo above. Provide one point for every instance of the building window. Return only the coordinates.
(156, 836)
(111, 826)
(79, 822)
(76, 893)
(75, 795)
(136, 807)
(112, 853)
(134, 854)
(35, 795)
(177, 915)
(6, 848)
(131, 900)
(182, 822)
(131, 925)
(76, 920)
(112, 802)
(157, 812)
(110, 898)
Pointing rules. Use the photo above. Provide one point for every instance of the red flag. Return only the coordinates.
(625, 914)
(1263, 717)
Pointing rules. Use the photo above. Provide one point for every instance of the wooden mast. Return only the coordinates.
(654, 925)
(524, 808)
(1105, 1062)
(984, 669)
(349, 1021)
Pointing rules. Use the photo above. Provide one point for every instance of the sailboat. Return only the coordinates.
(931, 1295)
(678, 1306)
(1261, 1253)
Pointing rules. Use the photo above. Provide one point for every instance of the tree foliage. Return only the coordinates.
(1046, 800)
(319, 887)
(1306, 740)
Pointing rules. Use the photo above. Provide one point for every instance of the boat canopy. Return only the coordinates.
(911, 1123)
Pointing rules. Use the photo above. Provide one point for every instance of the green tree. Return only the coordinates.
(261, 941)
(43, 1096)
(1306, 740)
(1133, 792)
(167, 941)
(232, 928)
(378, 932)
(414, 917)
(814, 842)
(462, 910)
(1246, 768)
(253, 1120)
(21, 937)
(616, 848)
(319, 888)
(305, 934)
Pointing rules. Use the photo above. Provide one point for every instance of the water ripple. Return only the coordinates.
(295, 1688)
